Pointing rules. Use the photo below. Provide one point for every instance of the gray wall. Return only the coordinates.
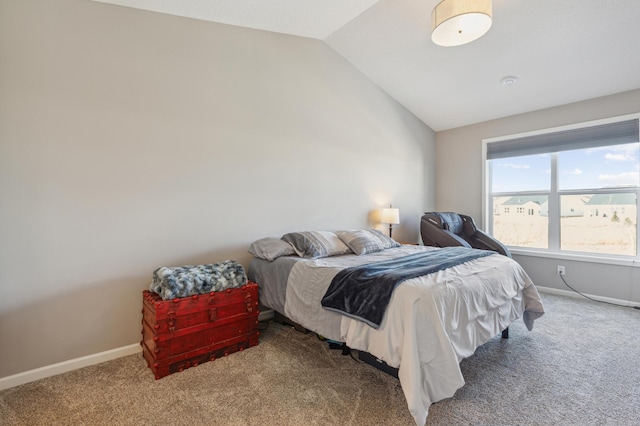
(459, 188)
(131, 140)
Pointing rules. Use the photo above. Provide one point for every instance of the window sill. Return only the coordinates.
(594, 258)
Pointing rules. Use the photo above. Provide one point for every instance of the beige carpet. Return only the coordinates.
(580, 366)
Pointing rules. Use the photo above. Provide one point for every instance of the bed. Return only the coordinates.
(431, 322)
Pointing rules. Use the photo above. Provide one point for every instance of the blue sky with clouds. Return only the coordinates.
(605, 167)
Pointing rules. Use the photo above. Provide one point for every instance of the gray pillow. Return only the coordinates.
(364, 241)
(270, 248)
(314, 244)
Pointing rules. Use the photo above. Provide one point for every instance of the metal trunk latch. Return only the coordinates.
(171, 321)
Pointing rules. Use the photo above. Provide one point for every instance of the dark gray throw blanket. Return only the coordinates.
(363, 292)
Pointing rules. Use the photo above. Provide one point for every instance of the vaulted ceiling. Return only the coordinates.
(561, 51)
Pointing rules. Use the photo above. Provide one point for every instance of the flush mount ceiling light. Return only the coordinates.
(457, 22)
(509, 80)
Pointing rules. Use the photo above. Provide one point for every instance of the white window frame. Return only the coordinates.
(553, 250)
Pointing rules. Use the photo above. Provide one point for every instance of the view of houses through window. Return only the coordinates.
(523, 226)
(583, 200)
(593, 223)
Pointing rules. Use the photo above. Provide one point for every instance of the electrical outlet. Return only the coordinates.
(560, 270)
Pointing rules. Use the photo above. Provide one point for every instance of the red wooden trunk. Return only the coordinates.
(184, 332)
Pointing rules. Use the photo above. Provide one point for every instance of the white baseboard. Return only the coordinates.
(63, 367)
(569, 293)
(85, 361)
(266, 314)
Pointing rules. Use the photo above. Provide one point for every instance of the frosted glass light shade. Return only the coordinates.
(390, 216)
(457, 22)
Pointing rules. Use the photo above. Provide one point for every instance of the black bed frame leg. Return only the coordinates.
(505, 333)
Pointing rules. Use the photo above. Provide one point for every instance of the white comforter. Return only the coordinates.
(432, 322)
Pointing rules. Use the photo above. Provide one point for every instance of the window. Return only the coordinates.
(574, 189)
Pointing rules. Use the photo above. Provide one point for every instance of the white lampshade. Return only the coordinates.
(457, 22)
(390, 215)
